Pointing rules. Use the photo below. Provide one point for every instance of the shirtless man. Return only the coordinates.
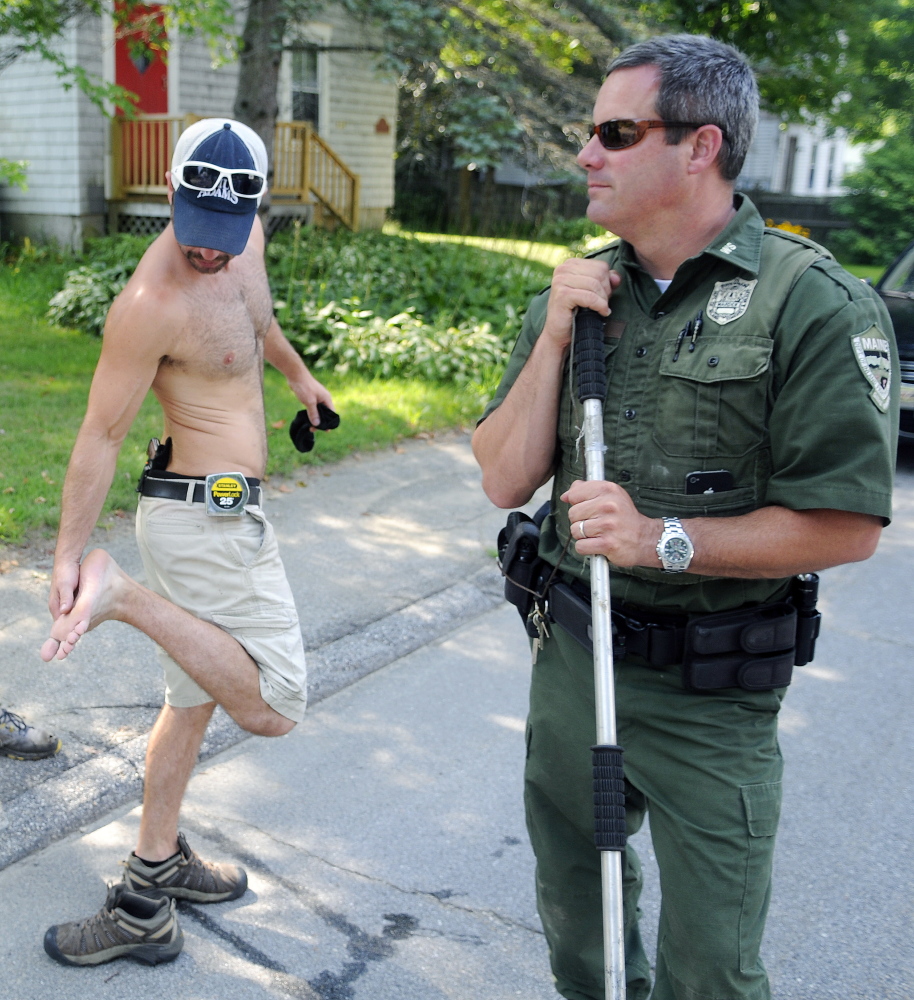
(194, 323)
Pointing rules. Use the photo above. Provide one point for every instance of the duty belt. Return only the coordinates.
(755, 648)
(190, 489)
(751, 648)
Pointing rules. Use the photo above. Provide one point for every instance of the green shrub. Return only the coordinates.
(89, 289)
(445, 283)
(85, 298)
(572, 233)
(454, 311)
(344, 337)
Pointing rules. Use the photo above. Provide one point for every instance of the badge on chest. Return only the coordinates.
(226, 494)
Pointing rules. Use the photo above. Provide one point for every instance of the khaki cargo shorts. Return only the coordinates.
(226, 570)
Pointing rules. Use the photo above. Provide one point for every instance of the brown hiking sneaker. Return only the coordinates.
(21, 741)
(186, 876)
(129, 925)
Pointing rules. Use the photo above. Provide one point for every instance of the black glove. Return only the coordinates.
(300, 428)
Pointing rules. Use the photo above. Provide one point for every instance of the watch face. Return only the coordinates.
(676, 550)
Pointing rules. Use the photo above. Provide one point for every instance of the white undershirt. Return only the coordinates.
(663, 284)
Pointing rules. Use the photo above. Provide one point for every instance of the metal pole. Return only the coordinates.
(609, 791)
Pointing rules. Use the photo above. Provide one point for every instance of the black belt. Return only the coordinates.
(657, 637)
(177, 489)
(751, 648)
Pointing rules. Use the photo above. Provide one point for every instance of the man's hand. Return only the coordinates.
(310, 392)
(768, 543)
(605, 522)
(64, 586)
(577, 284)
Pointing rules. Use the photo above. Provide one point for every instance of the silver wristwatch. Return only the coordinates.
(675, 549)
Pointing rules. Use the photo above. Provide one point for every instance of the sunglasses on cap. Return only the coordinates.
(206, 177)
(620, 133)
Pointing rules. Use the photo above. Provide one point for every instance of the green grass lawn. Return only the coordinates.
(45, 373)
(550, 254)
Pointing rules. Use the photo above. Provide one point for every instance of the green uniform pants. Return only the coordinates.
(707, 769)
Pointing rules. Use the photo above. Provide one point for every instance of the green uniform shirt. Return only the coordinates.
(791, 386)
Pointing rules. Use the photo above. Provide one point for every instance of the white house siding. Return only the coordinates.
(759, 170)
(820, 161)
(199, 88)
(360, 95)
(62, 135)
(355, 97)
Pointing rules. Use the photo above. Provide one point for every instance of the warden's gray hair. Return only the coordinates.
(702, 81)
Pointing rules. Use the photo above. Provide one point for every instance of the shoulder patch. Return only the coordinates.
(729, 300)
(871, 350)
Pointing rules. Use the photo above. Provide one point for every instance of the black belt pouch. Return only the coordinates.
(518, 557)
(751, 648)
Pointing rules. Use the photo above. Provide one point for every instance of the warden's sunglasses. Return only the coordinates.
(620, 133)
(206, 177)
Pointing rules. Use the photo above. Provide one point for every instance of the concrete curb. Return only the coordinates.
(79, 796)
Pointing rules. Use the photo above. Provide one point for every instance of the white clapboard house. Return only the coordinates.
(333, 156)
(803, 160)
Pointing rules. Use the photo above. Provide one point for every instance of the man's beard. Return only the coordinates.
(213, 266)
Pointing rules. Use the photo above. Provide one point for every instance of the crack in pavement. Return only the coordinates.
(362, 947)
(441, 896)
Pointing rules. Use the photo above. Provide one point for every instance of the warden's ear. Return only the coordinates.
(706, 143)
(171, 187)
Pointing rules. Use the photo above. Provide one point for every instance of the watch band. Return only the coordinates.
(675, 549)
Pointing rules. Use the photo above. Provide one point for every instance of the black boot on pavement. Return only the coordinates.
(21, 741)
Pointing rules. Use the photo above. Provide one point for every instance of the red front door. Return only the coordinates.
(145, 75)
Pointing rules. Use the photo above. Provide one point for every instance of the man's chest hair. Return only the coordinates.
(225, 325)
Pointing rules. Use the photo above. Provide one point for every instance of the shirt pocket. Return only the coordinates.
(713, 400)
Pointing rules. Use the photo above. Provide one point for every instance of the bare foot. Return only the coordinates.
(101, 582)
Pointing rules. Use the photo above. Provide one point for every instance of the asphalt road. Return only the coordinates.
(385, 836)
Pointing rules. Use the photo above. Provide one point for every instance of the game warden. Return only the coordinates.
(750, 420)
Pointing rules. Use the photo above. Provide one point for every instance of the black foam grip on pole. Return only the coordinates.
(608, 798)
(589, 355)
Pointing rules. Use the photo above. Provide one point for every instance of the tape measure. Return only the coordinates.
(226, 494)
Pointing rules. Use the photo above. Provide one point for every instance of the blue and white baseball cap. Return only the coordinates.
(217, 218)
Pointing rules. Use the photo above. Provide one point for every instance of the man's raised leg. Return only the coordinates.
(207, 653)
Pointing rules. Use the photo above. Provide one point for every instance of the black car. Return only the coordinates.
(896, 289)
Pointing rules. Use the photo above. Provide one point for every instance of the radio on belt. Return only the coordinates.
(226, 494)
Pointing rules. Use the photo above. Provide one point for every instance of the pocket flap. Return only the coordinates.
(763, 807)
(257, 621)
(718, 359)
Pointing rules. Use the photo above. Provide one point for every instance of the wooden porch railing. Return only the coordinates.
(303, 165)
(141, 153)
(305, 168)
